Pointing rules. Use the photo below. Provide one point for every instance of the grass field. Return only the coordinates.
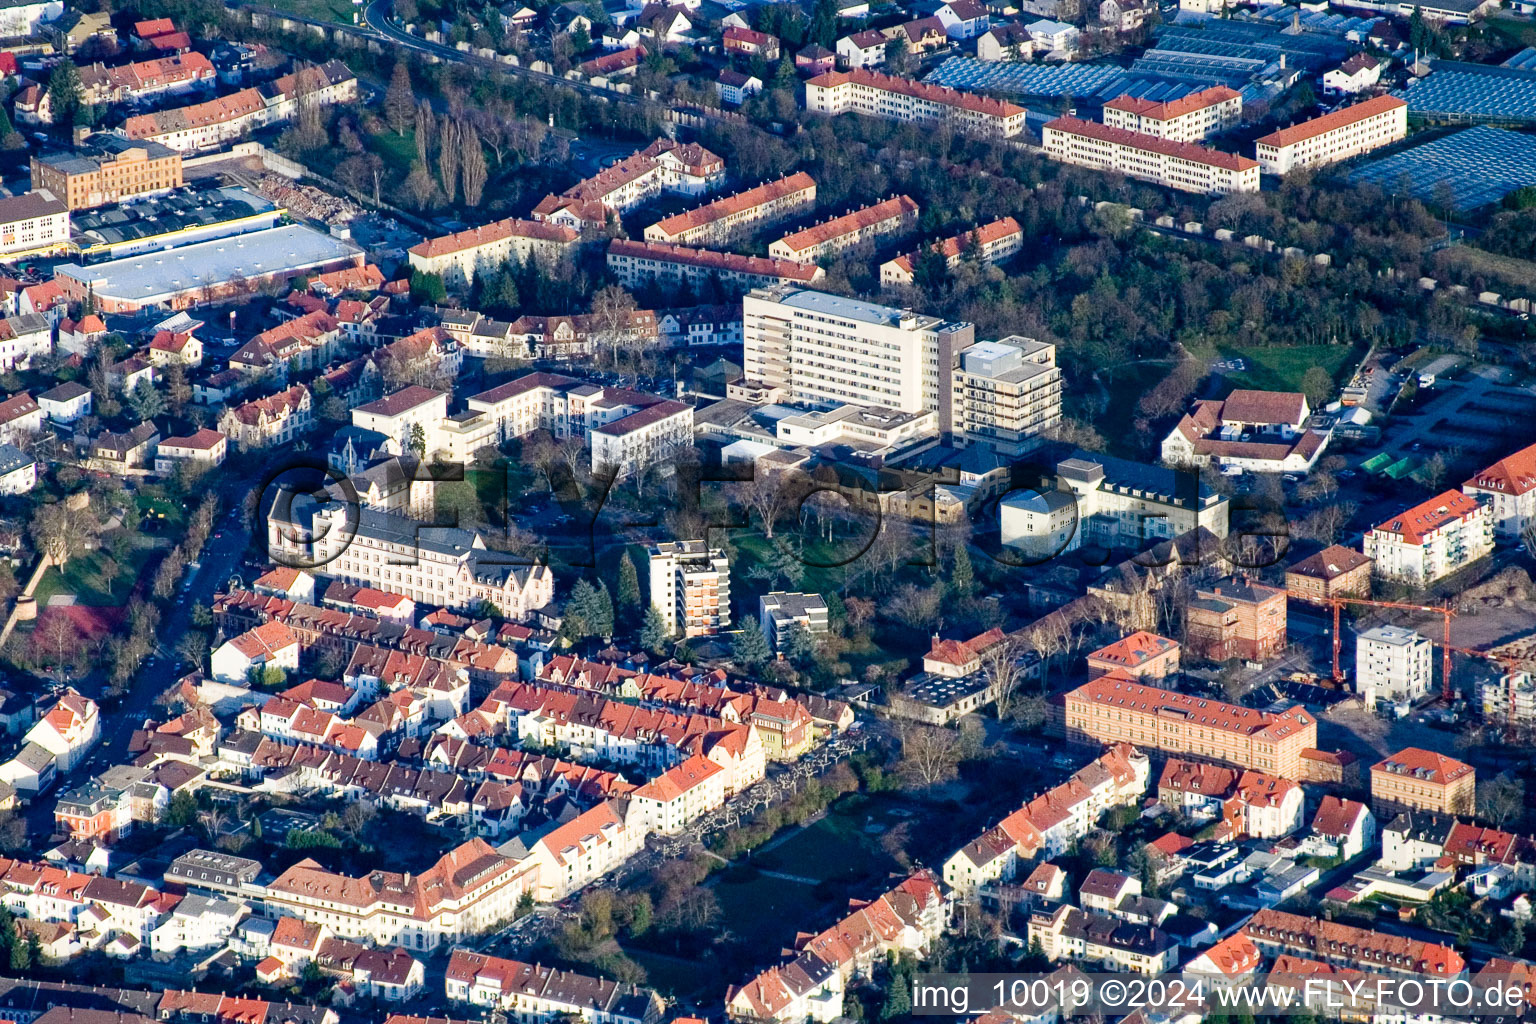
(833, 848)
(395, 150)
(82, 577)
(319, 10)
(1512, 272)
(764, 913)
(1281, 369)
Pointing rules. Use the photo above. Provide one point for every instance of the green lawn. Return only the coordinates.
(1281, 369)
(319, 10)
(836, 847)
(764, 913)
(398, 151)
(81, 576)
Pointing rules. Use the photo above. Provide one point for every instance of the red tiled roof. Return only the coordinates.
(1513, 474)
(918, 90)
(1331, 122)
(1186, 151)
(725, 206)
(1170, 109)
(1425, 765)
(1427, 517)
(1137, 649)
(897, 207)
(668, 252)
(495, 232)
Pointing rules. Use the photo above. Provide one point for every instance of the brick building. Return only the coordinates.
(1141, 655)
(1237, 618)
(1335, 571)
(1416, 779)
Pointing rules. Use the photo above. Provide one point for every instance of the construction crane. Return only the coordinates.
(1510, 665)
(1445, 610)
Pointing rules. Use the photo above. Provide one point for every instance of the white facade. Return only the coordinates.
(1178, 165)
(67, 731)
(33, 223)
(1431, 540)
(1393, 664)
(1007, 394)
(1192, 118)
(900, 99)
(691, 587)
(1340, 135)
(825, 350)
(22, 337)
(398, 415)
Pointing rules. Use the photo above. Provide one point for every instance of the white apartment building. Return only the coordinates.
(1508, 487)
(623, 429)
(198, 923)
(1393, 664)
(1180, 165)
(667, 803)
(861, 91)
(779, 610)
(22, 337)
(1192, 118)
(857, 229)
(398, 415)
(825, 350)
(691, 587)
(991, 243)
(1379, 121)
(1431, 540)
(1007, 393)
(583, 850)
(32, 224)
(458, 257)
(468, 891)
(637, 264)
(730, 217)
(1111, 502)
(445, 567)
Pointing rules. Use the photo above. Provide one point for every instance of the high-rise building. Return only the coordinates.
(1007, 393)
(691, 587)
(825, 350)
(1393, 664)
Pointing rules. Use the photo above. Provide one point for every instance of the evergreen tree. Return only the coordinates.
(146, 401)
(427, 289)
(399, 103)
(962, 578)
(749, 649)
(628, 597)
(653, 635)
(588, 612)
(823, 28)
(602, 612)
(799, 645)
(64, 94)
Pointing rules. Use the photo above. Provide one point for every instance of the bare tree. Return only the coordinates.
(448, 156)
(1001, 668)
(472, 163)
(426, 128)
(612, 318)
(766, 495)
(929, 755)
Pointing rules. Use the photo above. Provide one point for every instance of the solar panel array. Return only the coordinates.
(1265, 41)
(1475, 167)
(1016, 79)
(1456, 91)
(1313, 21)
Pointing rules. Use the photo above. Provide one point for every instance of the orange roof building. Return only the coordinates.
(1509, 487)
(1191, 118)
(1179, 165)
(728, 218)
(861, 228)
(1142, 655)
(1432, 539)
(1417, 779)
(1340, 135)
(901, 99)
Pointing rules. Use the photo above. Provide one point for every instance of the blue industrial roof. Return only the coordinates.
(1081, 80)
(1473, 168)
(1457, 91)
(1525, 59)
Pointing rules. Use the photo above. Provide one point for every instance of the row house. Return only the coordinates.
(584, 849)
(302, 344)
(441, 685)
(1108, 943)
(1048, 824)
(459, 257)
(469, 891)
(532, 994)
(178, 73)
(905, 920)
(734, 217)
(1342, 945)
(637, 264)
(677, 796)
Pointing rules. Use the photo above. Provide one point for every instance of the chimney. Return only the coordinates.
(80, 134)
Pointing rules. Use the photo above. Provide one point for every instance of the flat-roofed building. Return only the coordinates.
(1192, 118)
(826, 350)
(1179, 165)
(1340, 135)
(208, 271)
(1393, 664)
(181, 217)
(1113, 709)
(106, 169)
(779, 611)
(1007, 395)
(691, 587)
(1422, 780)
(873, 94)
(859, 229)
